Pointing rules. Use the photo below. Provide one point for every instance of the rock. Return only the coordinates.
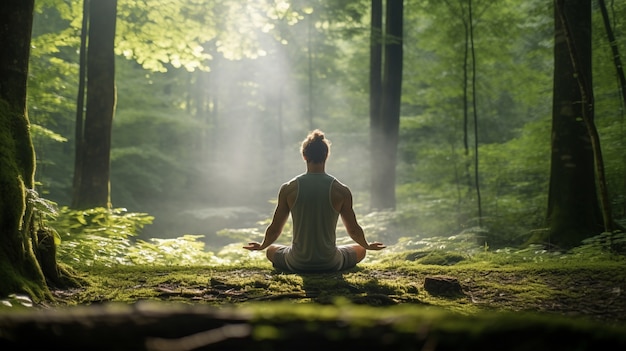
(442, 285)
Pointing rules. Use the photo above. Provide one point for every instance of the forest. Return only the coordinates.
(144, 143)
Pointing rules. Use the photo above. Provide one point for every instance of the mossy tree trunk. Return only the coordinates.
(19, 269)
(573, 209)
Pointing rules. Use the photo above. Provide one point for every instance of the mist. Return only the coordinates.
(205, 145)
(253, 108)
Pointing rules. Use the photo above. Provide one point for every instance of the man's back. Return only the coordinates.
(314, 223)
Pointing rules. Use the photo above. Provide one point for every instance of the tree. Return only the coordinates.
(385, 119)
(614, 48)
(573, 210)
(20, 270)
(93, 185)
(80, 100)
(375, 86)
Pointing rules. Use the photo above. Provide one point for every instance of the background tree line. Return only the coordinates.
(273, 70)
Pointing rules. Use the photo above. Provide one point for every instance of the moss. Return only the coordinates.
(280, 325)
(436, 257)
(20, 271)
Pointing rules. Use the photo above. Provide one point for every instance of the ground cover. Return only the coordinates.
(592, 290)
(564, 303)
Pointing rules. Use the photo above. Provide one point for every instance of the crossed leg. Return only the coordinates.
(360, 251)
(270, 252)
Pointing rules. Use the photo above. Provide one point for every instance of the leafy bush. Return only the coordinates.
(105, 237)
(98, 235)
(184, 250)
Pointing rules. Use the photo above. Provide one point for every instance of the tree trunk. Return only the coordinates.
(309, 53)
(19, 269)
(614, 48)
(385, 147)
(94, 184)
(375, 80)
(573, 210)
(80, 100)
(475, 113)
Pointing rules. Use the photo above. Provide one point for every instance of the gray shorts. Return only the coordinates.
(348, 255)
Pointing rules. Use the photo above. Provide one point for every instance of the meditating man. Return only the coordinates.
(315, 201)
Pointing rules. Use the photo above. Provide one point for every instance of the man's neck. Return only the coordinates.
(315, 167)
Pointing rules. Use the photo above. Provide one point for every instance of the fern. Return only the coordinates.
(98, 235)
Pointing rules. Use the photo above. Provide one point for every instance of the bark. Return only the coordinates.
(573, 210)
(583, 80)
(80, 101)
(94, 187)
(19, 269)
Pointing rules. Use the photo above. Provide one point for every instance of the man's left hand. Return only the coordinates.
(376, 246)
(253, 246)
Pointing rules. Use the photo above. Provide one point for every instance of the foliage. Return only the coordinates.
(599, 246)
(98, 235)
(184, 250)
(43, 208)
(17, 300)
(101, 237)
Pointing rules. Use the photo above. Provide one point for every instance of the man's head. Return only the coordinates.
(315, 148)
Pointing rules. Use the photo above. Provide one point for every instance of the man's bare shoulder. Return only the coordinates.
(341, 188)
(340, 194)
(289, 192)
(289, 186)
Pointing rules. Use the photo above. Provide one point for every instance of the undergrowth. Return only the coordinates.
(101, 237)
(116, 266)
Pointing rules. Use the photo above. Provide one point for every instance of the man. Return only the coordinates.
(315, 201)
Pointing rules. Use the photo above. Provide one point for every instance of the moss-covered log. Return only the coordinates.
(285, 326)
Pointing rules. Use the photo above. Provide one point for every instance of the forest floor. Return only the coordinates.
(536, 305)
(594, 291)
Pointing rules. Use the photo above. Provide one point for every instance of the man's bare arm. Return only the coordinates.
(348, 217)
(273, 231)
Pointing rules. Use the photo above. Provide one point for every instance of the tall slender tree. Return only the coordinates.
(614, 48)
(385, 119)
(475, 114)
(93, 185)
(375, 96)
(80, 100)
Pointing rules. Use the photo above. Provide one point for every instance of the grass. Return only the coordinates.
(507, 302)
(588, 289)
